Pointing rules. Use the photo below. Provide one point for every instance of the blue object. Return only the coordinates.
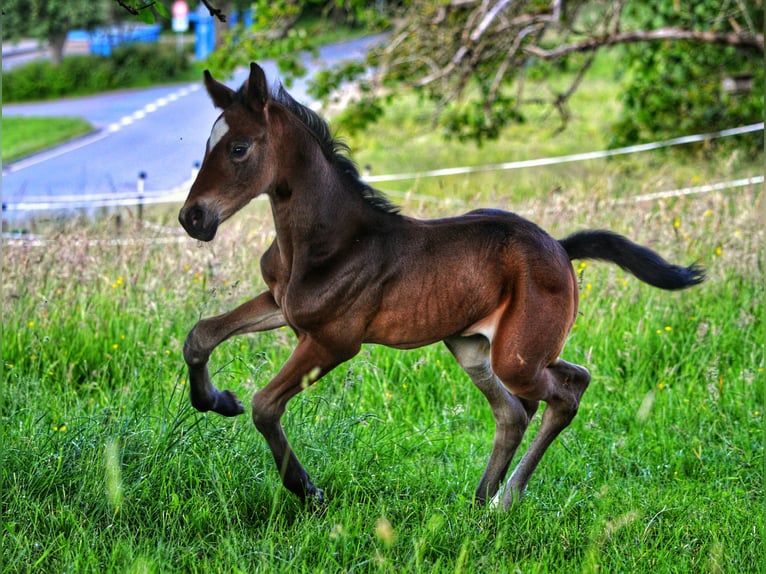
(204, 32)
(104, 40)
(247, 18)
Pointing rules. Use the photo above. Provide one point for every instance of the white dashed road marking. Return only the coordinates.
(110, 129)
(149, 108)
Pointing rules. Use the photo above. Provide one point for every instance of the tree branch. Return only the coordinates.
(752, 41)
(134, 10)
(214, 12)
(489, 17)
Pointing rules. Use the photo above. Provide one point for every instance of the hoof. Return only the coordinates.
(506, 499)
(512, 498)
(227, 404)
(478, 503)
(315, 500)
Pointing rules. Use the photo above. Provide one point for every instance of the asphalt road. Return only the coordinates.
(160, 132)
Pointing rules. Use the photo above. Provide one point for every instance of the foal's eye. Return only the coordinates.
(238, 150)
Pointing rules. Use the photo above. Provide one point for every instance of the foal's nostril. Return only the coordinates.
(195, 216)
(199, 222)
(192, 218)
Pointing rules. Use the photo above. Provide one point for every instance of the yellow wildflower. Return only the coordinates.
(384, 531)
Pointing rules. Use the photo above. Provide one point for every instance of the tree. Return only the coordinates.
(275, 33)
(483, 61)
(476, 58)
(692, 87)
(52, 20)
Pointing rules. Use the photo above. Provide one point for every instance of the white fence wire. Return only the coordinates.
(179, 193)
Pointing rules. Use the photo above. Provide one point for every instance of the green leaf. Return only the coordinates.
(161, 10)
(146, 16)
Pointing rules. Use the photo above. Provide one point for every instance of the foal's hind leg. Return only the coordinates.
(561, 386)
(512, 414)
(258, 314)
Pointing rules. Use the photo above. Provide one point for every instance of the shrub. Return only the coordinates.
(132, 65)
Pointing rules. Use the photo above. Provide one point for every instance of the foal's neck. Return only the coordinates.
(313, 190)
(316, 206)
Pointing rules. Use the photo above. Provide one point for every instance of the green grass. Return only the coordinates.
(105, 467)
(324, 32)
(406, 141)
(24, 136)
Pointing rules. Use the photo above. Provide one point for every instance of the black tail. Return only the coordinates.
(642, 262)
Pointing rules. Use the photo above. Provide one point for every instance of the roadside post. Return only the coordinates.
(180, 22)
(204, 32)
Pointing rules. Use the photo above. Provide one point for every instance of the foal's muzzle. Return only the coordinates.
(199, 222)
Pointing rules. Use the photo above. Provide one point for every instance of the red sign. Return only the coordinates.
(180, 16)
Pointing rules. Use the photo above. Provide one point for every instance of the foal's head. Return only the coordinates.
(239, 161)
(255, 147)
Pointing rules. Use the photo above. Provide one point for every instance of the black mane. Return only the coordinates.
(333, 148)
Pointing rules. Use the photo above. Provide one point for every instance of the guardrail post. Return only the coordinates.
(140, 189)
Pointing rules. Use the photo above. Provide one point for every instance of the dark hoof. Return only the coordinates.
(477, 503)
(315, 501)
(317, 497)
(227, 404)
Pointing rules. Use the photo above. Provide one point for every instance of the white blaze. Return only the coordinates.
(220, 128)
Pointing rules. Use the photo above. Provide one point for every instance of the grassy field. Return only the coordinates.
(104, 465)
(24, 136)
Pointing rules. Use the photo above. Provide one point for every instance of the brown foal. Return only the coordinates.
(346, 268)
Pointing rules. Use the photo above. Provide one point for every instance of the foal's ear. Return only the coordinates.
(221, 94)
(257, 90)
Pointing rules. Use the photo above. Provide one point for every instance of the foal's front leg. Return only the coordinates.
(258, 314)
(308, 362)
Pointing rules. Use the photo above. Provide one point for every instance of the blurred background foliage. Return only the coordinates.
(683, 66)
